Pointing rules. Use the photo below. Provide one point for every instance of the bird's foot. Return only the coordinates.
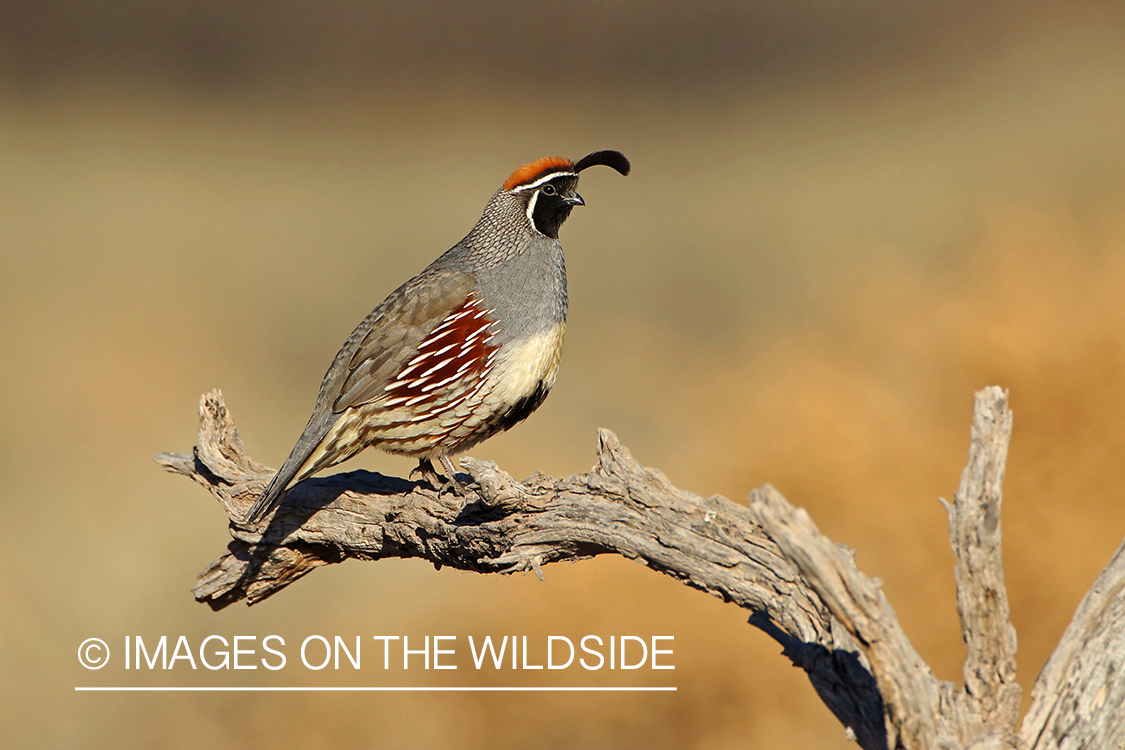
(433, 479)
(452, 485)
(428, 476)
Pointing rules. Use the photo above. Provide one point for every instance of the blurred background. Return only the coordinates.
(844, 218)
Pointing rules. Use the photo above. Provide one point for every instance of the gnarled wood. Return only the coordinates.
(1079, 698)
(769, 558)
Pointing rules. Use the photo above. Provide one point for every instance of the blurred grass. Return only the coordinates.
(814, 265)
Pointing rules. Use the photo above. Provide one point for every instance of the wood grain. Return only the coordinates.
(801, 588)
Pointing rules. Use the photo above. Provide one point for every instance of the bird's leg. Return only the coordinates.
(432, 478)
(453, 485)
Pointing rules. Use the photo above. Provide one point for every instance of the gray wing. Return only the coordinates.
(373, 355)
(376, 353)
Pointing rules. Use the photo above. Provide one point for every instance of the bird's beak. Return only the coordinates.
(575, 199)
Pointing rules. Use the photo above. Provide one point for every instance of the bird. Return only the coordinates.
(464, 350)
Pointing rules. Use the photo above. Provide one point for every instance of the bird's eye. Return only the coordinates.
(548, 189)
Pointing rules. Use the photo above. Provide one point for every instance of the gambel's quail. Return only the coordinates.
(466, 349)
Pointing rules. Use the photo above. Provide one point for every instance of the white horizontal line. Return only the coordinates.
(500, 689)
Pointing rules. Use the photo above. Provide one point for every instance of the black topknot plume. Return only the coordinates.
(614, 159)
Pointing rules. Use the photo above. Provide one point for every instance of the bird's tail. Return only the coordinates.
(307, 458)
(269, 499)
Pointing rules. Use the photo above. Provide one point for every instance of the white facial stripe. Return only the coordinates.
(541, 180)
(531, 208)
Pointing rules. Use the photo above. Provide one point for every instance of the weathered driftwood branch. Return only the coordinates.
(803, 590)
(1078, 701)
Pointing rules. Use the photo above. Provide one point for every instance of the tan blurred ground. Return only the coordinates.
(841, 223)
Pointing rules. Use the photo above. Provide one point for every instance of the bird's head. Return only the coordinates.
(549, 187)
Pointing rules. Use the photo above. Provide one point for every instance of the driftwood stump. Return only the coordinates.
(802, 589)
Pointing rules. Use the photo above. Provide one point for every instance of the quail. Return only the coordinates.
(464, 350)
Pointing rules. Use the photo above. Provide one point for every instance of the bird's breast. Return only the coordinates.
(527, 365)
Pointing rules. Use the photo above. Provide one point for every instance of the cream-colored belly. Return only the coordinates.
(519, 370)
(525, 365)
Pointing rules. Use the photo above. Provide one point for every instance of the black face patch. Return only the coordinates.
(551, 204)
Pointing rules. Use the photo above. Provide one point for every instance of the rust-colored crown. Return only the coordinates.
(529, 173)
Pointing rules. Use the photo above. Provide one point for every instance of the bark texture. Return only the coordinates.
(802, 589)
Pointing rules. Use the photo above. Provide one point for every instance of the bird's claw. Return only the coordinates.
(434, 480)
(453, 486)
